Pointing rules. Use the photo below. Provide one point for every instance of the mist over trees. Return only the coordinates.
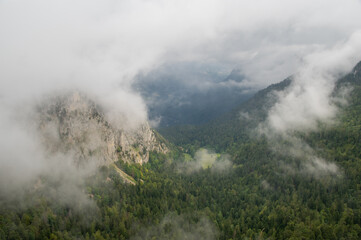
(240, 154)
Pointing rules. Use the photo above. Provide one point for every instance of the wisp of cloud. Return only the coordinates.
(204, 159)
(307, 102)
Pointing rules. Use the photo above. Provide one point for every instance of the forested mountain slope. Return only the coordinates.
(236, 125)
(263, 190)
(230, 127)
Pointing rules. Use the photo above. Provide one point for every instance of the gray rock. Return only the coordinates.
(74, 124)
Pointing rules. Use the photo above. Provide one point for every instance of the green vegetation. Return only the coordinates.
(265, 195)
(122, 174)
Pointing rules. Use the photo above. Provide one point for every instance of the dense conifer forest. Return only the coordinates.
(264, 193)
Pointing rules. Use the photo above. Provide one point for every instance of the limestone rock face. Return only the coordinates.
(75, 125)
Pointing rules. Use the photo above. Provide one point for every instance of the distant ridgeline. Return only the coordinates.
(236, 125)
(231, 127)
(174, 101)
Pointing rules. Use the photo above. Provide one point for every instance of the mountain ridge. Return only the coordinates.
(237, 124)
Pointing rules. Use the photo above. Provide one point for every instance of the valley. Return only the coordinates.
(264, 192)
(180, 120)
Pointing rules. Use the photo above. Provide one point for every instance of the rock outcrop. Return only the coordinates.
(74, 124)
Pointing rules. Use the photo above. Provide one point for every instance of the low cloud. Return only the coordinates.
(36, 161)
(28, 168)
(179, 227)
(204, 159)
(265, 185)
(308, 102)
(319, 167)
(304, 159)
(98, 47)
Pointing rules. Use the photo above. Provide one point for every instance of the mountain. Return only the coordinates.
(237, 124)
(305, 185)
(232, 126)
(176, 95)
(73, 123)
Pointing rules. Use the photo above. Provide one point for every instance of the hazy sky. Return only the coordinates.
(100, 45)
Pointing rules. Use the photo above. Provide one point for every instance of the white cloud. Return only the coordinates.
(179, 227)
(100, 44)
(204, 159)
(308, 100)
(310, 164)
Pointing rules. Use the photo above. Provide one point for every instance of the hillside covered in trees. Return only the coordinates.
(245, 186)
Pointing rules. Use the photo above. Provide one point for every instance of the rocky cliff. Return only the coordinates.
(74, 124)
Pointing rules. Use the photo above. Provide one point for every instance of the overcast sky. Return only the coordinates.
(101, 45)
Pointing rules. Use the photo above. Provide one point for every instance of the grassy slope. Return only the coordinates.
(123, 175)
